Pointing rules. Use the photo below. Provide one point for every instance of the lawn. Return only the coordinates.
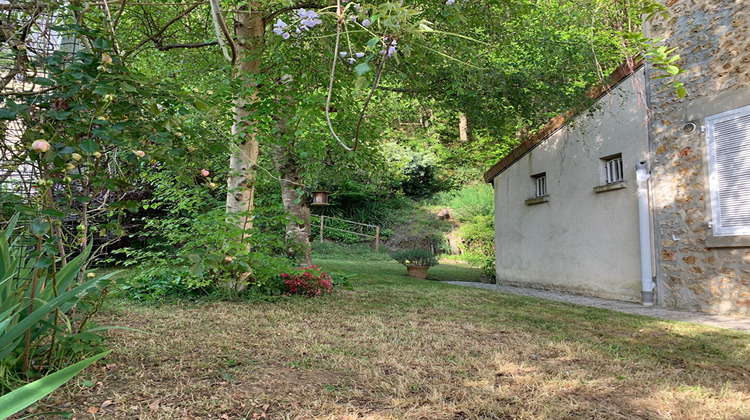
(399, 348)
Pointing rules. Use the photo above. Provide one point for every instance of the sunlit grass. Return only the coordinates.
(396, 347)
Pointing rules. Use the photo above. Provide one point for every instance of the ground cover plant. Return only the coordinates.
(395, 347)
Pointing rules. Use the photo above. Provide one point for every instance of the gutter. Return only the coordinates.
(644, 230)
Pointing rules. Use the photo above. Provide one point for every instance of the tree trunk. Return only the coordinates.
(243, 164)
(463, 127)
(296, 206)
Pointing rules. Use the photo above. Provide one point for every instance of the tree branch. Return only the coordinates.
(401, 90)
(161, 31)
(29, 92)
(219, 19)
(193, 45)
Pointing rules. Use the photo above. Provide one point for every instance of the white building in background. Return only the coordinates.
(564, 220)
(566, 208)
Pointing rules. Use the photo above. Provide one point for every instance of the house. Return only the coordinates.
(567, 199)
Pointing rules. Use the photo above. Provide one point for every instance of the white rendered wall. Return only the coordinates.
(580, 240)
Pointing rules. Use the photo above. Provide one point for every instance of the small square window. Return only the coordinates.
(613, 169)
(540, 184)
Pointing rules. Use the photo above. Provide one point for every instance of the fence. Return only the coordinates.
(357, 229)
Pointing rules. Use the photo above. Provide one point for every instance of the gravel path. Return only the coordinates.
(734, 323)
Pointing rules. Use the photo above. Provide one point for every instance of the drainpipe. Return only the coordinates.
(644, 228)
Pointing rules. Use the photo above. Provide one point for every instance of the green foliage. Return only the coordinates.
(478, 235)
(38, 326)
(415, 257)
(17, 400)
(158, 283)
(473, 208)
(421, 176)
(354, 252)
(488, 267)
(469, 202)
(341, 281)
(202, 250)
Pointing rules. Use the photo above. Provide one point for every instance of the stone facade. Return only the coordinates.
(695, 270)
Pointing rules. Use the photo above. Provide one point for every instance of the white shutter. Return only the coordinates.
(728, 141)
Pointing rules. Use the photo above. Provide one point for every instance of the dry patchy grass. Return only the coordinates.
(397, 348)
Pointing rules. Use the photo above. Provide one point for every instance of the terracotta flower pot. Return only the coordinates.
(417, 271)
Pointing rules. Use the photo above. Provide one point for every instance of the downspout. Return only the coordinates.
(644, 229)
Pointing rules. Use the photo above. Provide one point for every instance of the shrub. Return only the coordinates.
(39, 330)
(158, 283)
(309, 281)
(472, 201)
(473, 207)
(415, 257)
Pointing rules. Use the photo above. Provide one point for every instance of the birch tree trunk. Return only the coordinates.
(243, 164)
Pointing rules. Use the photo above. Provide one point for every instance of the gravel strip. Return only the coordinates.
(734, 323)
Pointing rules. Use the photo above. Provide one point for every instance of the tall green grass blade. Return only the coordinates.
(11, 226)
(23, 397)
(10, 337)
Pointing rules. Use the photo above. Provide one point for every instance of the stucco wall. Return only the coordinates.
(713, 39)
(580, 240)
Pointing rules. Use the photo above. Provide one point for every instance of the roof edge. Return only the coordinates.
(622, 72)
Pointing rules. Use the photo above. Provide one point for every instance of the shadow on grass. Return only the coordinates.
(675, 345)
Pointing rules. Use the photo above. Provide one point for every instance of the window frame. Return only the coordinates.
(613, 166)
(540, 185)
(713, 162)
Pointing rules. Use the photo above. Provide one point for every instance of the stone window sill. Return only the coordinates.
(610, 187)
(728, 241)
(537, 200)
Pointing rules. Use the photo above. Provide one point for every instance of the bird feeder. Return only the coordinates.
(320, 198)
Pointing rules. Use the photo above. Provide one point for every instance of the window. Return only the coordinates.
(613, 170)
(540, 184)
(611, 174)
(728, 144)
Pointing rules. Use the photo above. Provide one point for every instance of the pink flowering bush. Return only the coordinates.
(309, 281)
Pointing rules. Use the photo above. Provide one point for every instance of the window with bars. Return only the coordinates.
(540, 184)
(613, 170)
(728, 151)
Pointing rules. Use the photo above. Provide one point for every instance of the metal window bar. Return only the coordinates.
(540, 186)
(613, 168)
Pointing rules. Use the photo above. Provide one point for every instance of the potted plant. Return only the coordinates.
(417, 261)
(488, 271)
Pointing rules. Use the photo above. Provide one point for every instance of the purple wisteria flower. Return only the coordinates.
(352, 60)
(391, 48)
(285, 35)
(279, 26)
(308, 18)
(366, 22)
(449, 2)
(343, 54)
(359, 54)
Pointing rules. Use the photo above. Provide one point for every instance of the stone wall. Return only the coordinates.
(713, 40)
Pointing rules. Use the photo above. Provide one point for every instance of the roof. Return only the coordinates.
(622, 72)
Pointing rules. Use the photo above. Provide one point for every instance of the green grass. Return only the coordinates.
(441, 272)
(401, 348)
